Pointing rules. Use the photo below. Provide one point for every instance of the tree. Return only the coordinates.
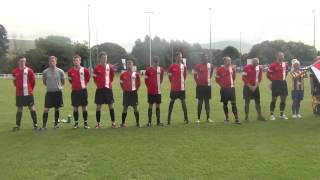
(58, 46)
(115, 53)
(266, 51)
(4, 42)
(82, 50)
(231, 52)
(166, 51)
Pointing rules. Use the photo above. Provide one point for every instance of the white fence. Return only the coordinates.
(39, 75)
(9, 76)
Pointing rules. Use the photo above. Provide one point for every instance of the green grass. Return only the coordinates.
(254, 150)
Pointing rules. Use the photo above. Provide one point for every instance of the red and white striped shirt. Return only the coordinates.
(177, 76)
(79, 78)
(130, 81)
(226, 77)
(277, 71)
(203, 74)
(153, 79)
(103, 76)
(24, 80)
(252, 75)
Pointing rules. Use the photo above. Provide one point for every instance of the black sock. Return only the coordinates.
(226, 111)
(18, 118)
(98, 114)
(200, 102)
(85, 117)
(56, 116)
(234, 110)
(44, 119)
(112, 114)
(34, 117)
(298, 107)
(149, 115)
(184, 108)
(207, 106)
(158, 114)
(124, 116)
(170, 110)
(258, 108)
(136, 115)
(246, 107)
(293, 107)
(76, 116)
(272, 107)
(282, 107)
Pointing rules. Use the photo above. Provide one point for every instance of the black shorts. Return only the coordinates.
(227, 94)
(203, 92)
(154, 98)
(178, 95)
(53, 99)
(24, 101)
(103, 96)
(79, 98)
(130, 98)
(248, 94)
(279, 88)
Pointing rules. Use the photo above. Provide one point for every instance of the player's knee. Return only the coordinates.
(233, 104)
(110, 106)
(32, 108)
(135, 108)
(125, 108)
(257, 101)
(225, 105)
(19, 109)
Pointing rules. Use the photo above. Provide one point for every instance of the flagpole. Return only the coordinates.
(89, 46)
(149, 14)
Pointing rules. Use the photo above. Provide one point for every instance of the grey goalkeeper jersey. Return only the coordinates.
(53, 79)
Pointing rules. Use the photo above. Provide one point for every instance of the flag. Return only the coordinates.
(124, 64)
(315, 69)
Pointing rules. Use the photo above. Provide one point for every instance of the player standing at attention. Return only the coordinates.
(103, 75)
(277, 73)
(177, 75)
(53, 79)
(79, 78)
(24, 81)
(226, 76)
(252, 76)
(153, 80)
(130, 83)
(202, 76)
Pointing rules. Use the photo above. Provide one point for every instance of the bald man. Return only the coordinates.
(252, 76)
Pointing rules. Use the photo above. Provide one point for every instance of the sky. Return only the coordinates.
(124, 21)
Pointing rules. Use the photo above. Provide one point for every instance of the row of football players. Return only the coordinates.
(103, 75)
